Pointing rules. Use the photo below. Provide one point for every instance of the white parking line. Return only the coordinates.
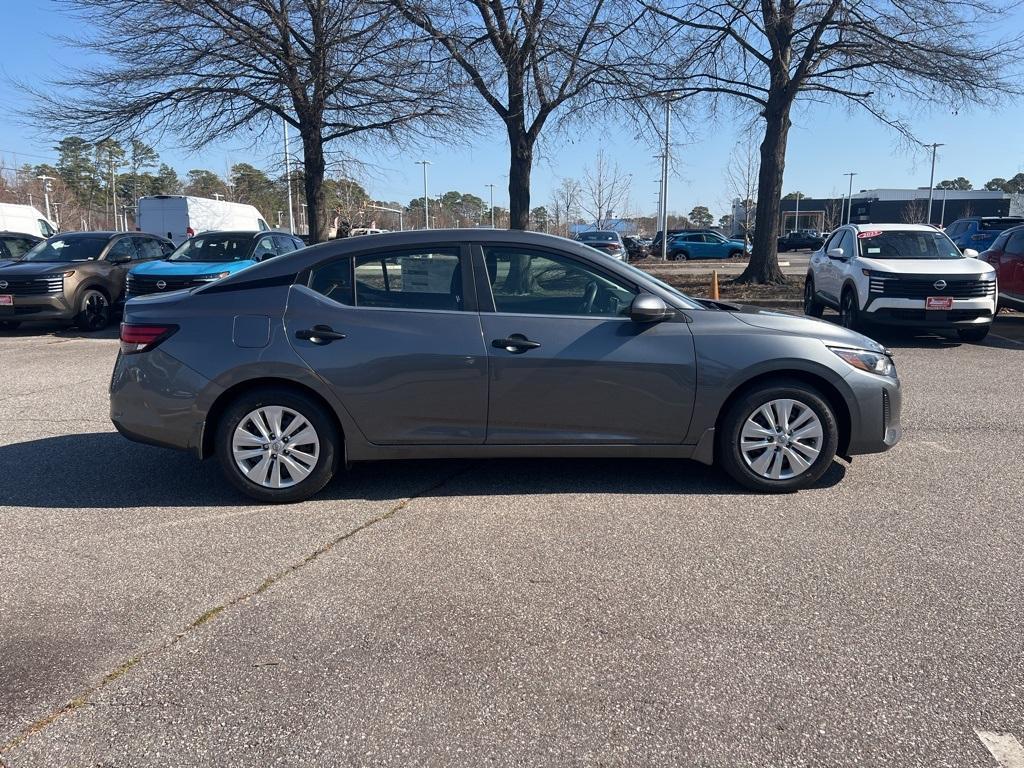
(1004, 747)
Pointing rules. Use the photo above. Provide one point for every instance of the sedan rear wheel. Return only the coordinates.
(779, 438)
(277, 445)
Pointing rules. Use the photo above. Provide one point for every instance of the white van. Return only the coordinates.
(25, 220)
(179, 217)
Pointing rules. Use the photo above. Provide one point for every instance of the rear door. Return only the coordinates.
(567, 365)
(411, 367)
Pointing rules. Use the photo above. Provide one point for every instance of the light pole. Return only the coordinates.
(401, 224)
(942, 216)
(664, 183)
(796, 224)
(491, 187)
(849, 207)
(288, 181)
(303, 223)
(426, 200)
(931, 183)
(46, 191)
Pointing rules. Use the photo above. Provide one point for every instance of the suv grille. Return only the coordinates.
(139, 285)
(923, 287)
(33, 286)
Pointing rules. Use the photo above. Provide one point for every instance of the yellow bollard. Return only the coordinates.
(714, 284)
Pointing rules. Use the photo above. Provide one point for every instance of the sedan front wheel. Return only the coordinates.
(778, 438)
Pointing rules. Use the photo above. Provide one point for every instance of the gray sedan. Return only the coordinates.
(487, 344)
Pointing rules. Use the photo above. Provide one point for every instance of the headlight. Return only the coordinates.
(67, 273)
(871, 362)
(211, 278)
(989, 276)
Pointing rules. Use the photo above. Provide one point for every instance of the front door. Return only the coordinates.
(567, 365)
(1011, 267)
(395, 336)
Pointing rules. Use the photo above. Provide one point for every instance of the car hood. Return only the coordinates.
(10, 268)
(165, 267)
(965, 266)
(798, 325)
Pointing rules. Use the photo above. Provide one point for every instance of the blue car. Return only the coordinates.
(704, 245)
(207, 257)
(979, 232)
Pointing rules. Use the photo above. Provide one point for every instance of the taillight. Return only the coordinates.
(142, 338)
(190, 232)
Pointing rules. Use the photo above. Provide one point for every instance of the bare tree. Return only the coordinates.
(770, 53)
(741, 180)
(565, 203)
(605, 190)
(332, 69)
(913, 211)
(531, 62)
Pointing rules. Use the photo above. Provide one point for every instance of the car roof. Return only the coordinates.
(893, 227)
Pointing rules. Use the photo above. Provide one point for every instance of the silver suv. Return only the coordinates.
(909, 275)
(487, 343)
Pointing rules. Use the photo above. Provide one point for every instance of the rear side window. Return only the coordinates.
(334, 280)
(430, 280)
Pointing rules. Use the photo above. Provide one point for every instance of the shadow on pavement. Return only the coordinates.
(103, 470)
(63, 331)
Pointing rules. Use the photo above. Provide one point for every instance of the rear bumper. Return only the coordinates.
(153, 399)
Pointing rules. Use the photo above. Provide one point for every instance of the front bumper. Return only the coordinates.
(912, 313)
(154, 399)
(52, 306)
(875, 413)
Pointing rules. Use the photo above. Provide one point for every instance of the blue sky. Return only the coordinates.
(826, 141)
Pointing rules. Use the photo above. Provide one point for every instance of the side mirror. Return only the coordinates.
(970, 253)
(836, 253)
(648, 308)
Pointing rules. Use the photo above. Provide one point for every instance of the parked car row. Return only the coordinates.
(84, 277)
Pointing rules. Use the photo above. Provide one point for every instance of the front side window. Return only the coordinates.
(906, 244)
(68, 248)
(123, 250)
(45, 229)
(265, 249)
(416, 279)
(148, 248)
(285, 244)
(1015, 245)
(541, 283)
(334, 280)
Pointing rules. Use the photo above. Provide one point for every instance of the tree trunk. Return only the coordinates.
(314, 169)
(520, 165)
(764, 260)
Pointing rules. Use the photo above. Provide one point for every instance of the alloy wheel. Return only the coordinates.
(95, 310)
(781, 439)
(808, 296)
(275, 447)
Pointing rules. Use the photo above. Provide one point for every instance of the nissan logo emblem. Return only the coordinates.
(161, 284)
(3, 284)
(939, 285)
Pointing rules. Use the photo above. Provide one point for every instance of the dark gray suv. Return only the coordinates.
(487, 343)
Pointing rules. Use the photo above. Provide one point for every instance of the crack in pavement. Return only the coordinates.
(210, 615)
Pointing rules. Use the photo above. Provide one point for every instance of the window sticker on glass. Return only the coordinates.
(869, 234)
(424, 274)
(874, 250)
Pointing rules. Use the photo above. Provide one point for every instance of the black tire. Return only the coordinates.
(730, 456)
(736, 255)
(975, 334)
(330, 443)
(10, 325)
(93, 310)
(849, 311)
(682, 256)
(812, 307)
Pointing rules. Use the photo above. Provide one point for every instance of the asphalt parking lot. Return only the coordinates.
(626, 612)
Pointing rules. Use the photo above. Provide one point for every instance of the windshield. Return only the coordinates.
(907, 244)
(603, 237)
(214, 248)
(68, 248)
(684, 299)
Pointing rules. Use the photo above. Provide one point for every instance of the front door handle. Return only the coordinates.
(516, 343)
(319, 334)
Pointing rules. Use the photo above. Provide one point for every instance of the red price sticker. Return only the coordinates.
(870, 234)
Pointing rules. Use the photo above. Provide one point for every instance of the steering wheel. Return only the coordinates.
(589, 295)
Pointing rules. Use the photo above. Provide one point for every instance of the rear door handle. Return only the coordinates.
(319, 334)
(515, 343)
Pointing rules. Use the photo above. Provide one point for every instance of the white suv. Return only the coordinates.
(901, 274)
